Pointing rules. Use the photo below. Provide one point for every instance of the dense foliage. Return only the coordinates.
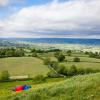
(76, 59)
(11, 52)
(4, 76)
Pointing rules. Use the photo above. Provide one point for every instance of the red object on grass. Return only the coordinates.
(19, 88)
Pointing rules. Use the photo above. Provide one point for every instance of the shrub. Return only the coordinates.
(39, 79)
(47, 61)
(52, 74)
(62, 69)
(34, 54)
(61, 58)
(4, 76)
(72, 71)
(69, 52)
(56, 54)
(54, 64)
(76, 59)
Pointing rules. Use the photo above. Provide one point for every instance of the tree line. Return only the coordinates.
(11, 52)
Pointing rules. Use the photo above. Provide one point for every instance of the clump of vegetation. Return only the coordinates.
(94, 55)
(72, 71)
(34, 54)
(61, 70)
(52, 74)
(39, 79)
(12, 52)
(76, 59)
(4, 76)
(60, 57)
(54, 65)
(69, 52)
(47, 61)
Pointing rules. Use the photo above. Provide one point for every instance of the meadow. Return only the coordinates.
(85, 60)
(19, 66)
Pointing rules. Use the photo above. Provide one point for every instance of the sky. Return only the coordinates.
(50, 19)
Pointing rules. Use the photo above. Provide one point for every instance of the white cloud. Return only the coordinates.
(75, 16)
(4, 2)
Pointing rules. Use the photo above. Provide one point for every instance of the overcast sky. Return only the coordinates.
(50, 18)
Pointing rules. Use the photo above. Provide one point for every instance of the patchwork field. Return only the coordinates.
(85, 60)
(23, 66)
(80, 87)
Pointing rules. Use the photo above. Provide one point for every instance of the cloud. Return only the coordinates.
(75, 18)
(4, 2)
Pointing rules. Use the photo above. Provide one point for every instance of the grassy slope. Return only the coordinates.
(85, 87)
(23, 66)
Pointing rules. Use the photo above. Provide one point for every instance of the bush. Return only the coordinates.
(52, 74)
(76, 59)
(39, 79)
(61, 58)
(56, 54)
(54, 65)
(4, 76)
(34, 54)
(62, 69)
(47, 61)
(69, 52)
(72, 71)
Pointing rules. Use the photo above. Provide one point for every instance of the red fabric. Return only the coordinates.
(19, 88)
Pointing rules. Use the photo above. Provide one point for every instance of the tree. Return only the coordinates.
(69, 52)
(61, 57)
(56, 54)
(34, 54)
(4, 76)
(76, 59)
(62, 69)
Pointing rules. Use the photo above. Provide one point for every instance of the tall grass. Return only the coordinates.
(85, 87)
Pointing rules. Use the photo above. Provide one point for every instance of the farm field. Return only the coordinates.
(85, 60)
(23, 66)
(83, 87)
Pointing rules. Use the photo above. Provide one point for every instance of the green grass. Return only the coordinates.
(86, 87)
(85, 62)
(23, 66)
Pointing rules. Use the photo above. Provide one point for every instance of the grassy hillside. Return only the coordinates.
(23, 66)
(85, 87)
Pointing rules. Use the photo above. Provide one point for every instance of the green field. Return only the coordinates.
(86, 87)
(23, 66)
(81, 87)
(85, 60)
